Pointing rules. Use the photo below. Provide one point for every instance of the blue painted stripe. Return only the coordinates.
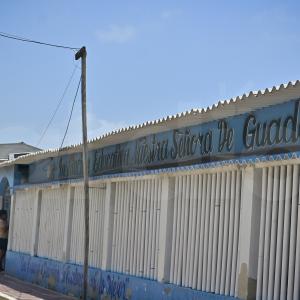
(67, 278)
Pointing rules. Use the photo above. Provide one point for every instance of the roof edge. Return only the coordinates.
(179, 116)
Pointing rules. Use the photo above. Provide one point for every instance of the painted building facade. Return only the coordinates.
(10, 151)
(201, 205)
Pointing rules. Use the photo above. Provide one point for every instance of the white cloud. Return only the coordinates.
(168, 14)
(96, 127)
(117, 34)
(54, 135)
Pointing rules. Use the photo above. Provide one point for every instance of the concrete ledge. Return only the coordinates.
(66, 278)
(13, 288)
(6, 297)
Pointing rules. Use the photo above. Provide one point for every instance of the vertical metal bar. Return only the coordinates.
(136, 213)
(178, 229)
(121, 228)
(286, 234)
(138, 229)
(225, 232)
(174, 233)
(186, 231)
(181, 239)
(143, 235)
(202, 228)
(158, 210)
(148, 229)
(116, 227)
(192, 226)
(115, 230)
(293, 234)
(230, 238)
(206, 232)
(125, 226)
(211, 232)
(282, 179)
(99, 222)
(152, 222)
(234, 285)
(262, 234)
(216, 232)
(296, 292)
(196, 262)
(102, 212)
(130, 223)
(273, 232)
(267, 233)
(221, 232)
(190, 229)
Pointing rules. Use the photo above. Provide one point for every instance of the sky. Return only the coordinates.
(146, 60)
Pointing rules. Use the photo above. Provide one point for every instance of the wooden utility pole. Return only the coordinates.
(82, 54)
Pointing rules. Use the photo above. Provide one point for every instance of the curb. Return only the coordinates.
(6, 297)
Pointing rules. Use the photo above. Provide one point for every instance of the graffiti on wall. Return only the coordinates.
(67, 278)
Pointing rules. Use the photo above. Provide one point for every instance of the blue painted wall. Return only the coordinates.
(7, 172)
(269, 130)
(67, 278)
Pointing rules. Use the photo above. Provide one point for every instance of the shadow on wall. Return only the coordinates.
(5, 196)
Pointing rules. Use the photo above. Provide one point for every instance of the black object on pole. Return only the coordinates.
(82, 54)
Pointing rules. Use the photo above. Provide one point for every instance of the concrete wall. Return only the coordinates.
(67, 278)
(186, 235)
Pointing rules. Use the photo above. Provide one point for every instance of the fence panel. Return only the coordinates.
(205, 231)
(23, 220)
(136, 227)
(97, 206)
(279, 244)
(52, 223)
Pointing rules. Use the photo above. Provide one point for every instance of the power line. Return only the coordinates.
(70, 117)
(58, 105)
(23, 39)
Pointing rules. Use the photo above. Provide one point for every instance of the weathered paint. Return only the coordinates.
(7, 173)
(67, 278)
(273, 129)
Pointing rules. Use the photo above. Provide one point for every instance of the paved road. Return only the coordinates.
(12, 288)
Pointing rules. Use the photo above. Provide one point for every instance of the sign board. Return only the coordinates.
(273, 129)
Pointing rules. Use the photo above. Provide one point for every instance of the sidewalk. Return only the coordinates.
(12, 288)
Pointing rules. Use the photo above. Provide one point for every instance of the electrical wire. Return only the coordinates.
(58, 106)
(23, 39)
(70, 117)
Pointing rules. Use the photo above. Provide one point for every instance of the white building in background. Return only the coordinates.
(8, 152)
(201, 205)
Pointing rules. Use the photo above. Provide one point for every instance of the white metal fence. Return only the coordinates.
(52, 223)
(21, 234)
(97, 211)
(77, 231)
(205, 231)
(279, 241)
(136, 227)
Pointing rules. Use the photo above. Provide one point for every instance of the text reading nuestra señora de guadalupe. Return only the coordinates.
(261, 130)
(250, 133)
